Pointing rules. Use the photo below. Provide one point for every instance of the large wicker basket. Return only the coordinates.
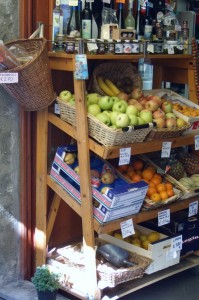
(164, 133)
(34, 91)
(114, 71)
(105, 135)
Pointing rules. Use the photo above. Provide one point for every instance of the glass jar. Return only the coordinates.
(119, 47)
(70, 46)
(60, 43)
(110, 47)
(127, 47)
(91, 46)
(101, 46)
(135, 47)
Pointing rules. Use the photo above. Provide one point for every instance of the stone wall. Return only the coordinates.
(9, 159)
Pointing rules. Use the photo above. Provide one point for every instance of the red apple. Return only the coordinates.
(139, 106)
(151, 105)
(171, 123)
(95, 173)
(161, 123)
(158, 114)
(132, 101)
(156, 99)
(136, 93)
(123, 96)
(142, 101)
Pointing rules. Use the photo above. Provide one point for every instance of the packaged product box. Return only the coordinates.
(160, 252)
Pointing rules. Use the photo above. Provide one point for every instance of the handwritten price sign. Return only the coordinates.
(164, 217)
(9, 78)
(127, 228)
(125, 156)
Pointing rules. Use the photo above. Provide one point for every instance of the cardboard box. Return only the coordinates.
(101, 213)
(121, 195)
(123, 34)
(160, 252)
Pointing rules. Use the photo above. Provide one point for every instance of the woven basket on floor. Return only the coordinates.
(114, 71)
(34, 90)
(105, 135)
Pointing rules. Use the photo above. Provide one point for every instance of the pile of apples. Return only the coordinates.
(131, 109)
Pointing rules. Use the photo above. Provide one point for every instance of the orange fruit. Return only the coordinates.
(122, 168)
(170, 193)
(130, 173)
(169, 186)
(151, 183)
(156, 180)
(147, 174)
(130, 168)
(151, 168)
(136, 178)
(151, 190)
(164, 195)
(156, 175)
(155, 197)
(139, 172)
(161, 187)
(138, 164)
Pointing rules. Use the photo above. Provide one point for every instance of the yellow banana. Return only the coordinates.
(104, 87)
(112, 86)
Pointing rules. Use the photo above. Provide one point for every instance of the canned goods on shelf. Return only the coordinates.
(127, 47)
(119, 47)
(110, 47)
(101, 46)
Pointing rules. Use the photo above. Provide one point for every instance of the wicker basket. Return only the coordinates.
(164, 133)
(114, 71)
(34, 91)
(105, 135)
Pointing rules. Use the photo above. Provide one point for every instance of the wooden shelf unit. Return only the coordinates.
(44, 224)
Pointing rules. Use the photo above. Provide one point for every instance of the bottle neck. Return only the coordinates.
(58, 2)
(87, 4)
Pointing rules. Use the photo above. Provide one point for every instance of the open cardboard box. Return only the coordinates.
(160, 252)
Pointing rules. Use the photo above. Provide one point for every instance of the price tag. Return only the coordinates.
(107, 1)
(125, 156)
(56, 109)
(127, 228)
(163, 217)
(197, 142)
(73, 2)
(166, 149)
(150, 48)
(170, 49)
(193, 208)
(92, 47)
(176, 243)
(9, 78)
(81, 67)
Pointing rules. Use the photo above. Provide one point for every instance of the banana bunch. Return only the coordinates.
(107, 86)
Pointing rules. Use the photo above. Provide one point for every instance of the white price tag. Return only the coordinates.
(166, 149)
(176, 243)
(150, 48)
(56, 109)
(164, 217)
(170, 49)
(92, 47)
(127, 228)
(125, 156)
(73, 2)
(9, 78)
(193, 208)
(197, 142)
(107, 1)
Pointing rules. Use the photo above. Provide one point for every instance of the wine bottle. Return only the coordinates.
(120, 15)
(57, 27)
(140, 21)
(86, 22)
(73, 28)
(130, 21)
(148, 22)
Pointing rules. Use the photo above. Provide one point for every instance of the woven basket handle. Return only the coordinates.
(137, 127)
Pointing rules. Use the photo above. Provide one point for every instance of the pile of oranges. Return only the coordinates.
(158, 189)
(186, 110)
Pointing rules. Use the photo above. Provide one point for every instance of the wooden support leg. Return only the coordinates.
(52, 216)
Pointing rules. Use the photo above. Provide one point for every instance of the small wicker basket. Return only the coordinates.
(34, 91)
(114, 72)
(164, 133)
(105, 135)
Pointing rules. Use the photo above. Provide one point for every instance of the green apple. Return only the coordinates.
(72, 101)
(94, 109)
(119, 106)
(108, 112)
(170, 115)
(103, 118)
(141, 121)
(115, 99)
(105, 103)
(146, 115)
(113, 116)
(93, 98)
(65, 95)
(131, 110)
(133, 120)
(122, 120)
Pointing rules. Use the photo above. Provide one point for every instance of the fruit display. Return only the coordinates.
(186, 110)
(160, 189)
(139, 239)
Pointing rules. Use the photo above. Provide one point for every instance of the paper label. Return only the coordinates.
(164, 217)
(166, 149)
(125, 156)
(127, 228)
(9, 78)
(176, 243)
(81, 67)
(193, 208)
(197, 142)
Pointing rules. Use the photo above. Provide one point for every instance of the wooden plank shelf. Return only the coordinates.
(113, 151)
